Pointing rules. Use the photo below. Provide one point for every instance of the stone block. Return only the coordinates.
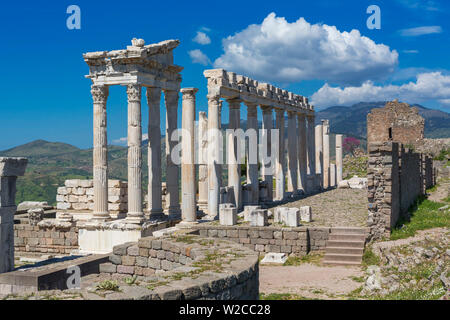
(227, 214)
(292, 217)
(275, 257)
(107, 268)
(248, 210)
(259, 218)
(305, 214)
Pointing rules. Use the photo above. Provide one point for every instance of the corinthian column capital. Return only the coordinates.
(188, 93)
(134, 93)
(99, 93)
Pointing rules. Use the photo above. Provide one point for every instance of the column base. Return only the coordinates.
(101, 216)
(157, 214)
(135, 218)
(186, 224)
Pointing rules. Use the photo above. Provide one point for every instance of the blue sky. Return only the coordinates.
(44, 94)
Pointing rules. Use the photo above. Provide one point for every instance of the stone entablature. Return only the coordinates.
(148, 65)
(233, 86)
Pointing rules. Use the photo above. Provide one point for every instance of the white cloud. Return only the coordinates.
(124, 140)
(197, 56)
(202, 38)
(428, 5)
(428, 86)
(420, 31)
(277, 50)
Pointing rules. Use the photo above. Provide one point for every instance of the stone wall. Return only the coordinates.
(192, 268)
(45, 239)
(297, 241)
(396, 177)
(79, 195)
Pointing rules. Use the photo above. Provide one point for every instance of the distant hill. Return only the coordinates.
(51, 163)
(352, 120)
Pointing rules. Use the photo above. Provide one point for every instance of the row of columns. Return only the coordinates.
(100, 153)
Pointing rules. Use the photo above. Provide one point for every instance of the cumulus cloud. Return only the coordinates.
(197, 56)
(202, 38)
(428, 86)
(277, 50)
(420, 31)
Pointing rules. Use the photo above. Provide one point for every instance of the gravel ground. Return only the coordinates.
(336, 208)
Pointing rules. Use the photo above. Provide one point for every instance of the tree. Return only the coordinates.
(350, 144)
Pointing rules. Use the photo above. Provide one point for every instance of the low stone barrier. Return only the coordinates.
(297, 241)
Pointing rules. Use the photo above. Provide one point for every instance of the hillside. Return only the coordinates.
(352, 120)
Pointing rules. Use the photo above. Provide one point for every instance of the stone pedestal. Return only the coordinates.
(189, 207)
(227, 214)
(305, 214)
(259, 218)
(10, 169)
(248, 210)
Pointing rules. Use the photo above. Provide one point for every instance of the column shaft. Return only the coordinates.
(214, 157)
(326, 154)
(319, 153)
(189, 206)
(267, 168)
(302, 153)
(280, 176)
(203, 167)
(154, 153)
(172, 181)
(311, 150)
(292, 153)
(234, 167)
(252, 168)
(338, 158)
(100, 153)
(135, 212)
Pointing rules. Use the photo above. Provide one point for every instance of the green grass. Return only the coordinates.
(282, 296)
(369, 258)
(312, 258)
(424, 215)
(107, 285)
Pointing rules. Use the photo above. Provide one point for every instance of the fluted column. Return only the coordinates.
(234, 167)
(311, 149)
(252, 168)
(302, 154)
(267, 169)
(135, 213)
(319, 151)
(326, 154)
(280, 175)
(292, 153)
(154, 153)
(214, 157)
(188, 201)
(202, 166)
(100, 153)
(338, 158)
(172, 181)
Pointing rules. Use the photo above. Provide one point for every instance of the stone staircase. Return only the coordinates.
(345, 246)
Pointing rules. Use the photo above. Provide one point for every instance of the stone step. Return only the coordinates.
(347, 237)
(345, 243)
(344, 230)
(343, 257)
(341, 263)
(344, 250)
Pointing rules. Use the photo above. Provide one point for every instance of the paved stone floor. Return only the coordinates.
(336, 208)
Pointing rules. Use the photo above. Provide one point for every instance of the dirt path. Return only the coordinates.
(309, 281)
(442, 191)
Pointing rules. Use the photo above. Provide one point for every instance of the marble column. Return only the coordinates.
(280, 176)
(10, 169)
(172, 182)
(332, 175)
(252, 168)
(100, 153)
(326, 154)
(311, 150)
(267, 168)
(338, 158)
(234, 167)
(155, 208)
(292, 153)
(135, 213)
(188, 190)
(214, 157)
(319, 152)
(202, 157)
(302, 153)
